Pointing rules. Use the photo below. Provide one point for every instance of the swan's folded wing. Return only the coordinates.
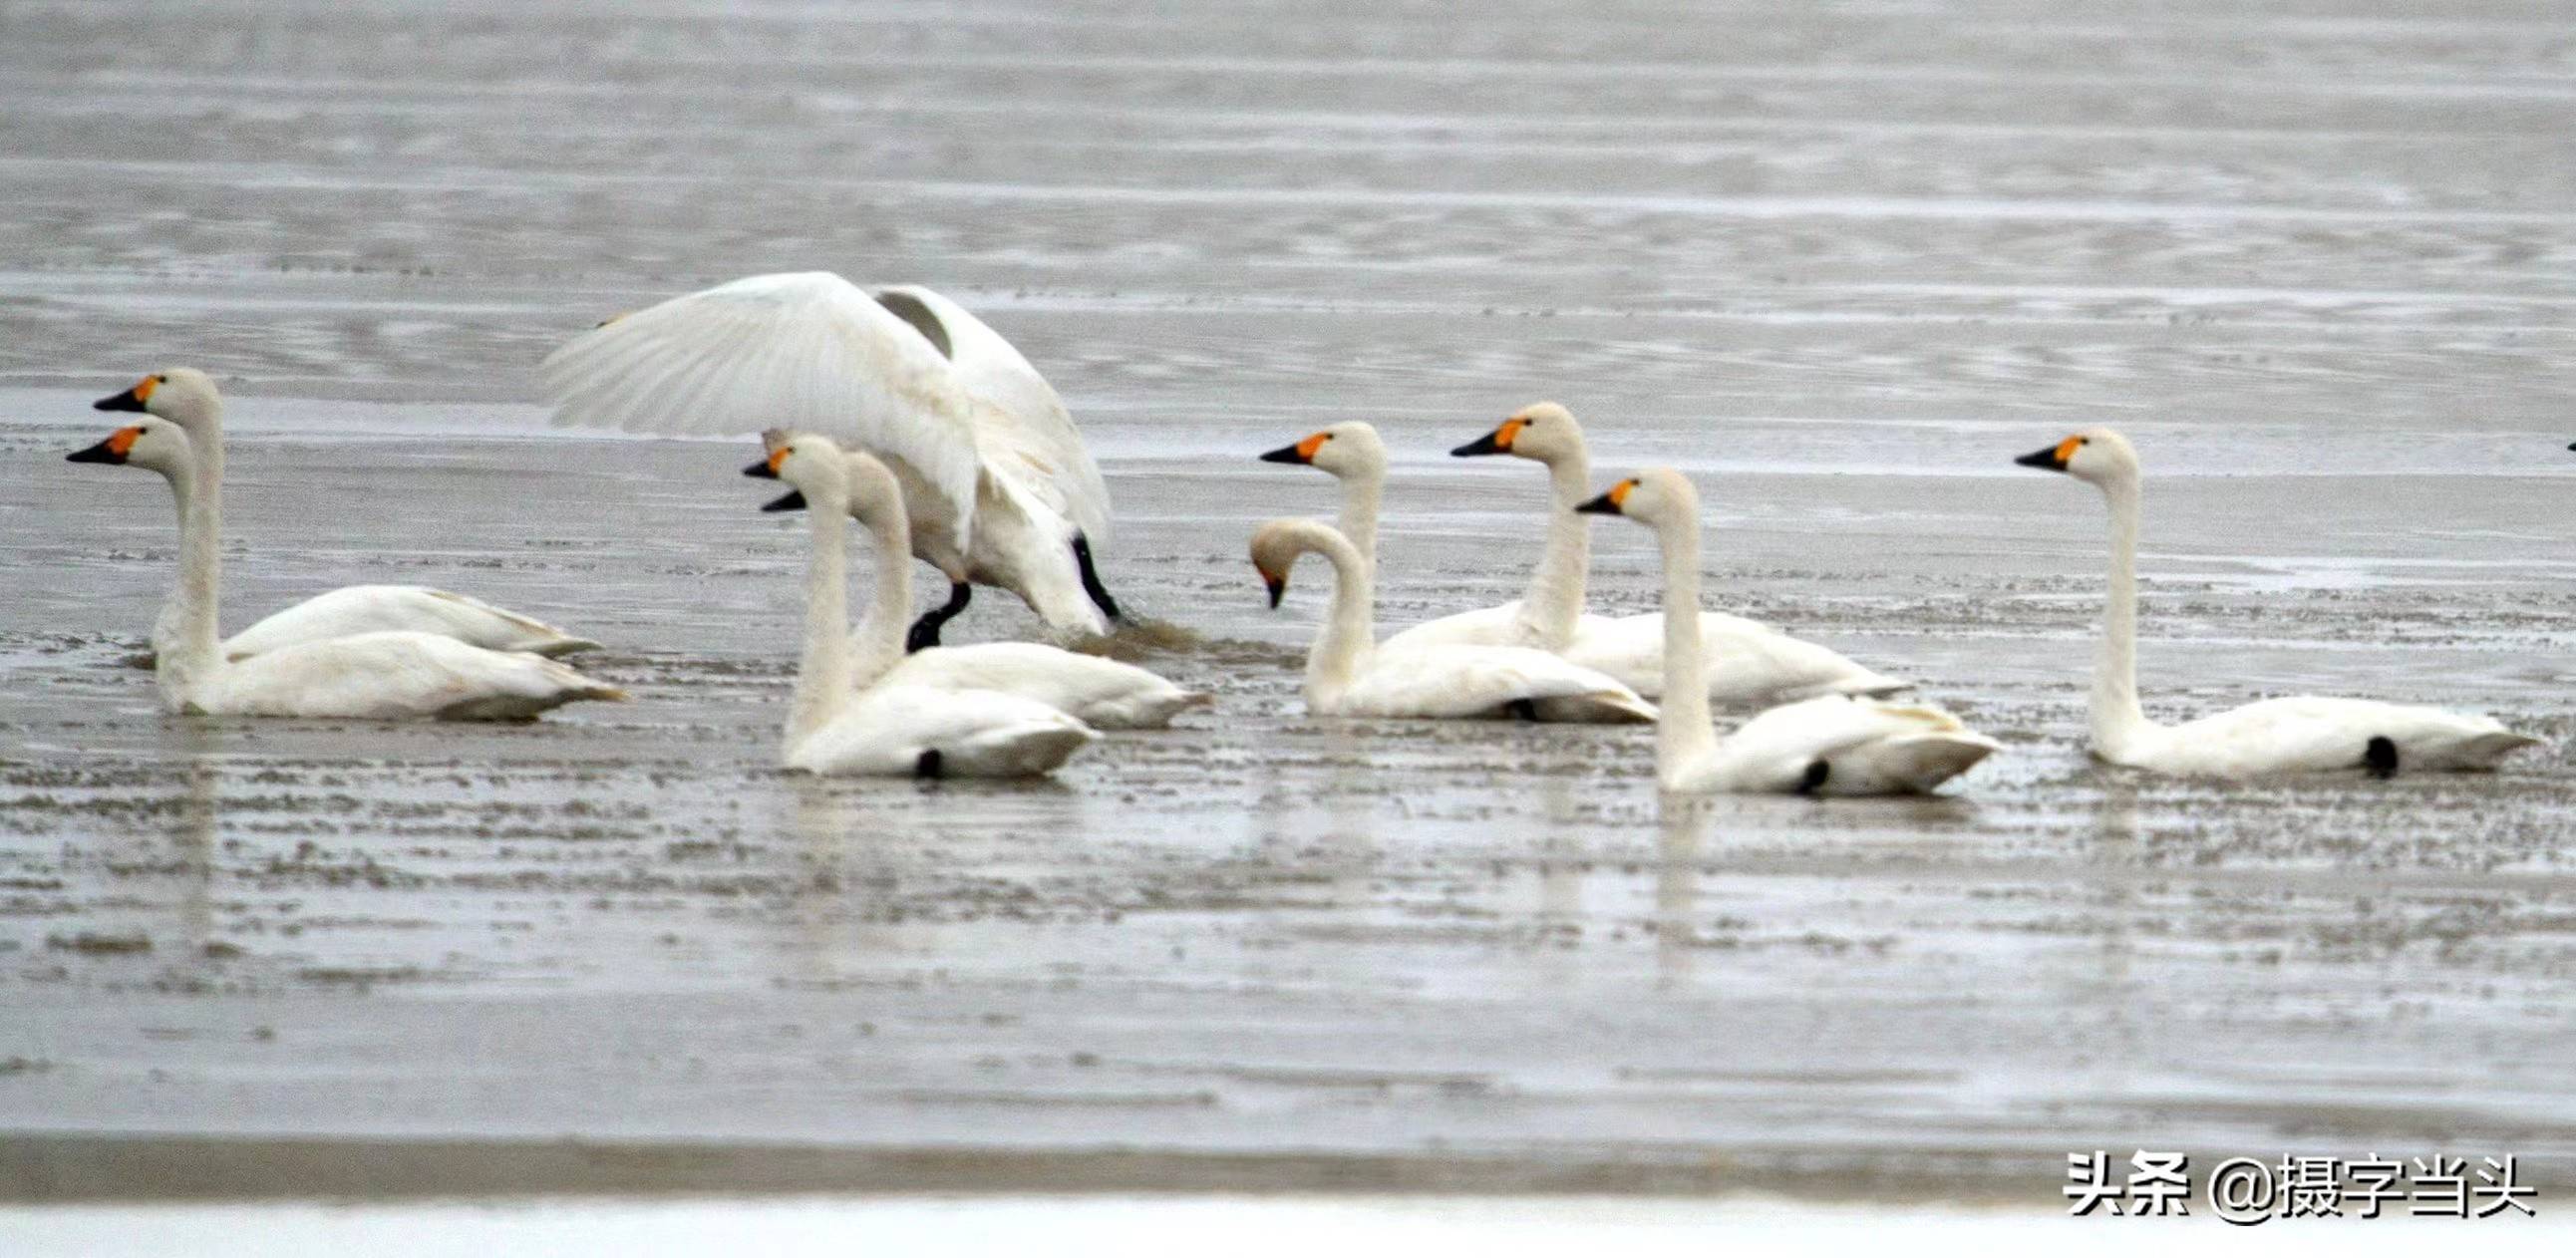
(1775, 747)
(1458, 681)
(808, 351)
(1023, 429)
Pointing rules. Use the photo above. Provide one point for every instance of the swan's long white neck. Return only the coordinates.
(1684, 739)
(1555, 598)
(2119, 724)
(1363, 490)
(1349, 635)
(188, 649)
(877, 644)
(823, 675)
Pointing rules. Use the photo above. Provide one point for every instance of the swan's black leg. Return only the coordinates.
(1091, 578)
(929, 765)
(2380, 757)
(1813, 780)
(1524, 709)
(925, 631)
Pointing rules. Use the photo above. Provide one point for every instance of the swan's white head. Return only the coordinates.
(1349, 448)
(1655, 497)
(1543, 431)
(815, 467)
(1276, 546)
(183, 395)
(2100, 456)
(152, 443)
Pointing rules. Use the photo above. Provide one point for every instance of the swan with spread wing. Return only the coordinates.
(996, 480)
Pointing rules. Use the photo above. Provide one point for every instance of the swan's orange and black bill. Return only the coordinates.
(794, 501)
(1499, 441)
(767, 469)
(2054, 458)
(113, 450)
(1278, 586)
(1301, 452)
(1611, 502)
(130, 400)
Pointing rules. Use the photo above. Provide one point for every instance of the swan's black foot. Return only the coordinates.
(1523, 709)
(925, 631)
(930, 765)
(1091, 578)
(2380, 757)
(1813, 780)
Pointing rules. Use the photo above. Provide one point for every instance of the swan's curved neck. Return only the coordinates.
(877, 644)
(1349, 635)
(1684, 739)
(2119, 724)
(823, 675)
(1363, 491)
(189, 648)
(1555, 598)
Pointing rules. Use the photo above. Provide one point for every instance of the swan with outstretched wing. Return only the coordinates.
(999, 487)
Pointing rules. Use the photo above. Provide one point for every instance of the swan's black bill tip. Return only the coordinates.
(1481, 445)
(761, 470)
(1603, 505)
(125, 401)
(2045, 459)
(1278, 589)
(794, 501)
(103, 452)
(1285, 454)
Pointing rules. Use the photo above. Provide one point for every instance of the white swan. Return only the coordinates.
(2288, 735)
(834, 727)
(1348, 674)
(1748, 662)
(1000, 488)
(385, 675)
(1104, 694)
(1829, 745)
(188, 398)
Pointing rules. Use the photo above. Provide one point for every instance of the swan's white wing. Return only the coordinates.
(1485, 626)
(1746, 661)
(807, 351)
(1466, 681)
(1024, 432)
(357, 609)
(1105, 693)
(397, 676)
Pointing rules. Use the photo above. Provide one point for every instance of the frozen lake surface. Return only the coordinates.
(2318, 257)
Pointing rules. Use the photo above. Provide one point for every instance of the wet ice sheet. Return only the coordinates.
(1843, 263)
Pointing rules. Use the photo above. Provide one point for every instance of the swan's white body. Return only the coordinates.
(1104, 694)
(891, 729)
(2299, 734)
(1748, 662)
(994, 474)
(1829, 745)
(1349, 674)
(388, 675)
(356, 609)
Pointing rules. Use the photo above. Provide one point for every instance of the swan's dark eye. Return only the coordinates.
(2083, 441)
(160, 379)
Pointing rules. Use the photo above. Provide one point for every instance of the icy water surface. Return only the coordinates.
(1843, 263)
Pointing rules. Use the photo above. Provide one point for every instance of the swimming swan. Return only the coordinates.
(1000, 488)
(1829, 745)
(2288, 735)
(1104, 694)
(833, 727)
(187, 397)
(1748, 662)
(1348, 674)
(384, 675)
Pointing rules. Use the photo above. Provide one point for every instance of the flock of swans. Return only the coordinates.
(900, 411)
